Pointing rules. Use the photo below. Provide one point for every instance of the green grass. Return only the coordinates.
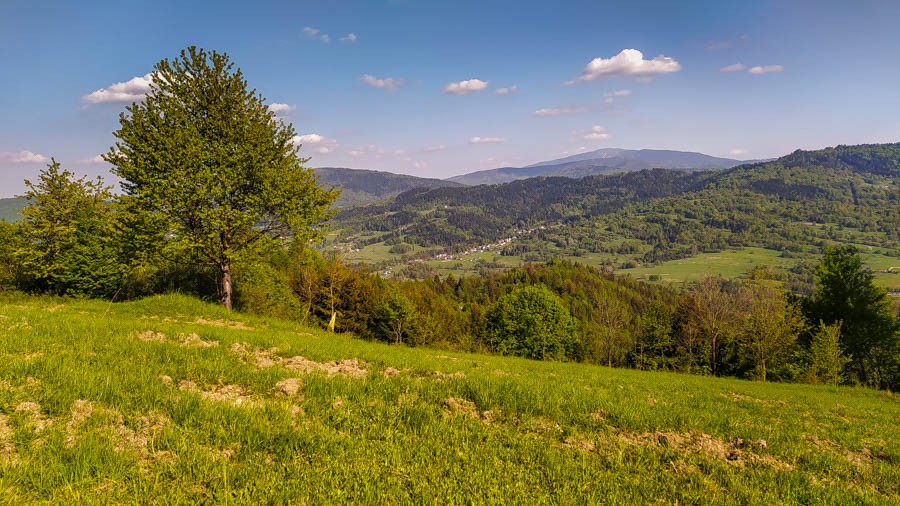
(92, 413)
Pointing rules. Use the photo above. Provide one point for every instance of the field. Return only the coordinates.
(170, 400)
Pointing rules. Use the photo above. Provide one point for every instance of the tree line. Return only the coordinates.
(216, 202)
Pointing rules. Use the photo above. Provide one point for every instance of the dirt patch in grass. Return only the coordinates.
(223, 323)
(231, 394)
(8, 454)
(151, 336)
(136, 436)
(81, 411)
(736, 397)
(861, 458)
(33, 416)
(579, 443)
(466, 408)
(452, 375)
(290, 386)
(737, 452)
(192, 340)
(269, 358)
(391, 372)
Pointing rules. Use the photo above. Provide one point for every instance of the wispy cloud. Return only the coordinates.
(387, 83)
(467, 86)
(350, 37)
(715, 45)
(597, 133)
(315, 142)
(629, 62)
(132, 90)
(765, 69)
(22, 157)
(737, 152)
(486, 140)
(507, 90)
(316, 34)
(611, 96)
(736, 67)
(559, 111)
(433, 149)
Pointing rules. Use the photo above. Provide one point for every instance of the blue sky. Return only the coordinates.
(437, 89)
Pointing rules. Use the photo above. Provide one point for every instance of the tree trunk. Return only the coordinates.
(226, 284)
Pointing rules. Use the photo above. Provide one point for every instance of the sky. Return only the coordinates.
(437, 88)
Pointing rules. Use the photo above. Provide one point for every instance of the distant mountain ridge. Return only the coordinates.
(359, 186)
(601, 161)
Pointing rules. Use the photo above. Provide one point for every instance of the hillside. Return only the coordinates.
(601, 161)
(171, 400)
(366, 186)
(10, 209)
(792, 206)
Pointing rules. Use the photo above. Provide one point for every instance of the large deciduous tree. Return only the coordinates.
(206, 152)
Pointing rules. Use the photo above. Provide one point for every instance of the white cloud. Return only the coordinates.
(315, 33)
(315, 142)
(432, 149)
(597, 133)
(22, 157)
(558, 111)
(486, 140)
(374, 151)
(737, 152)
(765, 69)
(350, 37)
(629, 62)
(282, 109)
(737, 67)
(507, 90)
(132, 90)
(467, 86)
(387, 83)
(95, 159)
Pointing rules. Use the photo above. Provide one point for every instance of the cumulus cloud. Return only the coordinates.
(132, 90)
(350, 37)
(737, 67)
(316, 34)
(597, 133)
(282, 109)
(737, 152)
(558, 111)
(22, 157)
(467, 86)
(315, 142)
(765, 69)
(507, 90)
(387, 83)
(629, 62)
(486, 140)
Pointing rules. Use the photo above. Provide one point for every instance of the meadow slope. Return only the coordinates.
(170, 400)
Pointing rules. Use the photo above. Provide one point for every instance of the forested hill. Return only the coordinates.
(367, 186)
(847, 194)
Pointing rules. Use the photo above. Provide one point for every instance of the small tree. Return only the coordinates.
(206, 152)
(771, 327)
(68, 236)
(531, 322)
(826, 360)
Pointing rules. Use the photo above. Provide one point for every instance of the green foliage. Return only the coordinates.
(69, 236)
(92, 414)
(826, 359)
(869, 336)
(205, 151)
(655, 344)
(531, 322)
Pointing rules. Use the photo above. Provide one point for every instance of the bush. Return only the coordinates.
(532, 322)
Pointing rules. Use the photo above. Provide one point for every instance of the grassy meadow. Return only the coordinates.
(171, 400)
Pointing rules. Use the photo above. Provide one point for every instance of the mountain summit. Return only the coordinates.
(601, 161)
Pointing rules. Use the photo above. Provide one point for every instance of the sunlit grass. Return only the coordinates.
(96, 409)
